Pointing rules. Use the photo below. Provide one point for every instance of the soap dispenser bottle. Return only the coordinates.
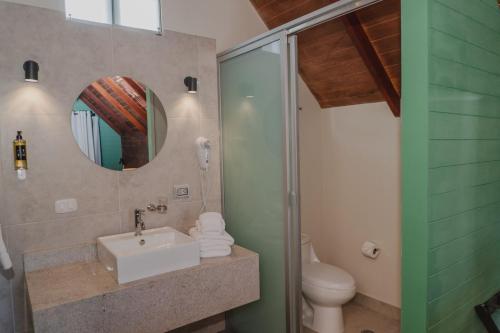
(20, 152)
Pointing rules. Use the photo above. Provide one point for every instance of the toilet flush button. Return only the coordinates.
(66, 206)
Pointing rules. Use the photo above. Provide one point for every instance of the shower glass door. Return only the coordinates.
(253, 96)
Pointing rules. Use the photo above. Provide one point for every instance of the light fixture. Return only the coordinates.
(192, 84)
(31, 71)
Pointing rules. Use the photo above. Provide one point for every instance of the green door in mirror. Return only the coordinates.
(119, 123)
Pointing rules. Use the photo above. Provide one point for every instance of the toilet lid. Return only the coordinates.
(327, 276)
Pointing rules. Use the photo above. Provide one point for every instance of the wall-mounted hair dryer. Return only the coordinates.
(203, 149)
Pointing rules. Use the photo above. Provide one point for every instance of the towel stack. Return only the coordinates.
(211, 234)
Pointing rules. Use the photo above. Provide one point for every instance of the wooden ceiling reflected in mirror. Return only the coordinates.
(119, 123)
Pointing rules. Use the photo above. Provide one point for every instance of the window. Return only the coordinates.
(143, 14)
(90, 10)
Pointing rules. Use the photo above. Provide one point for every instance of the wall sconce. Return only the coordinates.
(192, 84)
(31, 71)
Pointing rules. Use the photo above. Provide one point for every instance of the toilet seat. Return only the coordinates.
(327, 276)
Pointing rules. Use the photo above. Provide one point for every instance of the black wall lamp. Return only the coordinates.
(31, 71)
(192, 84)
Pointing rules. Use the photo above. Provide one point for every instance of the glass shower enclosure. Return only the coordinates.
(258, 119)
(257, 177)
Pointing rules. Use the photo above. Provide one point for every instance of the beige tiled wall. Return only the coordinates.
(71, 55)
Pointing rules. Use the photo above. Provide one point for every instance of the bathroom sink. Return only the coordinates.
(157, 251)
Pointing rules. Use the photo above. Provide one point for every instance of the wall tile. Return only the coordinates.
(6, 324)
(207, 72)
(61, 233)
(72, 55)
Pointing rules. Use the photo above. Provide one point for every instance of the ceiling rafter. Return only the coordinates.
(330, 60)
(102, 91)
(101, 109)
(136, 86)
(372, 62)
(132, 103)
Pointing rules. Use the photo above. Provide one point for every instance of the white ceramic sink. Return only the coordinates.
(157, 251)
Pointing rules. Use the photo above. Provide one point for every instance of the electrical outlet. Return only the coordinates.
(182, 192)
(66, 206)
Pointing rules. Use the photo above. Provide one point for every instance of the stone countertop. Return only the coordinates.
(58, 289)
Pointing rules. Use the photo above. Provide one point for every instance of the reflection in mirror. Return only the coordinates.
(119, 123)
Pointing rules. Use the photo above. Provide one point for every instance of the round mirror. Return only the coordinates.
(119, 123)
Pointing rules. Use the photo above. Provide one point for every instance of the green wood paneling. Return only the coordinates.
(462, 132)
(449, 229)
(455, 177)
(415, 155)
(464, 162)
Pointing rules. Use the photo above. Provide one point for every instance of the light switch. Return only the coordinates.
(66, 206)
(182, 192)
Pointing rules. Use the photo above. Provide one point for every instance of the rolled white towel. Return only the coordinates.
(216, 253)
(211, 216)
(212, 230)
(224, 238)
(211, 222)
(207, 243)
(213, 247)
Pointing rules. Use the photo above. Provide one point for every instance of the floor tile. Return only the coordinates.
(358, 318)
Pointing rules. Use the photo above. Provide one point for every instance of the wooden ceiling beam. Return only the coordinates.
(107, 96)
(97, 107)
(133, 104)
(372, 61)
(136, 86)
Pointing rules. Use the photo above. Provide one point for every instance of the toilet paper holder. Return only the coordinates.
(370, 250)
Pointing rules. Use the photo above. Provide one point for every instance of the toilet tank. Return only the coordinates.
(305, 241)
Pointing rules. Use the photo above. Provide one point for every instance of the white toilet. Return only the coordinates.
(325, 289)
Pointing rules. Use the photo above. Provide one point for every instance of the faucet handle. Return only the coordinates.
(139, 212)
(161, 208)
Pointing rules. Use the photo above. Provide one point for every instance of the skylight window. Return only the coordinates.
(143, 14)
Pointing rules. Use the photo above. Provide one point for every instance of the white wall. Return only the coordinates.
(310, 155)
(352, 192)
(229, 22)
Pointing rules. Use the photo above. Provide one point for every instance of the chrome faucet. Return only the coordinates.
(140, 226)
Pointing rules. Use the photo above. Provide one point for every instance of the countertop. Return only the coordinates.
(51, 290)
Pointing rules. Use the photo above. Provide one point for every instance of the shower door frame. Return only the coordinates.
(290, 180)
(287, 35)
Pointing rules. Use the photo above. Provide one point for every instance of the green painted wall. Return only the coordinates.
(111, 147)
(415, 81)
(111, 144)
(456, 132)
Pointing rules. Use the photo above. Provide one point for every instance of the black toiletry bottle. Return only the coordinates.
(20, 153)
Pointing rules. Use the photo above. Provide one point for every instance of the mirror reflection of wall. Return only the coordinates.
(119, 123)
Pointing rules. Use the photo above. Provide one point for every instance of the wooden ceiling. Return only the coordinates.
(121, 102)
(355, 59)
